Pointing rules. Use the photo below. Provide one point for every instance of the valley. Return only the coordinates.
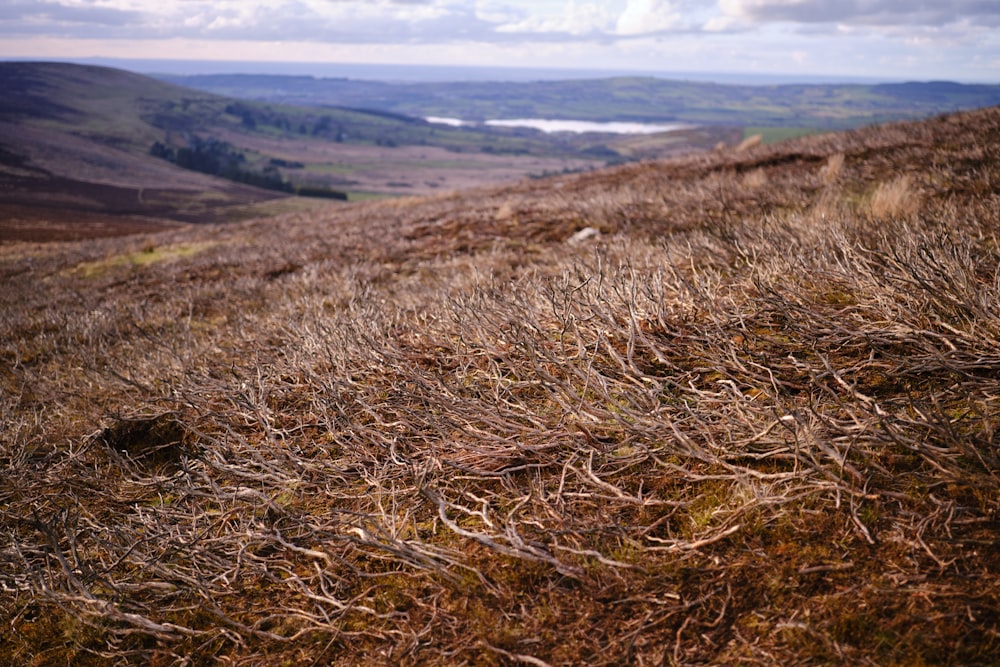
(78, 141)
(105, 148)
(818, 107)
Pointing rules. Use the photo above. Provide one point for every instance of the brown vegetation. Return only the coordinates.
(753, 420)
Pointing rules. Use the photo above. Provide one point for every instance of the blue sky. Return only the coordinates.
(899, 39)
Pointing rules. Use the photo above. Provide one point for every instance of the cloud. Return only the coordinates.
(575, 20)
(347, 21)
(828, 35)
(336, 21)
(930, 13)
(44, 15)
(645, 17)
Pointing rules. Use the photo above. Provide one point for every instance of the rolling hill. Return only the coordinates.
(75, 154)
(815, 106)
(736, 407)
(89, 150)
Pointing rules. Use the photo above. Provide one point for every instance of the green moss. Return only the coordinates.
(147, 256)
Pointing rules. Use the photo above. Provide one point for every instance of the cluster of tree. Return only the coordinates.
(321, 192)
(366, 125)
(219, 158)
(325, 127)
(252, 116)
(287, 164)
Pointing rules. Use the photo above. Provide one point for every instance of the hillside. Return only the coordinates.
(815, 106)
(75, 155)
(91, 151)
(748, 415)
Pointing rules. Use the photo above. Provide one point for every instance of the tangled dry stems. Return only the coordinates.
(755, 421)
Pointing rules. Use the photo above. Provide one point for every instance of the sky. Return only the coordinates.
(892, 39)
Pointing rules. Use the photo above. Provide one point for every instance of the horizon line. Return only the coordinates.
(437, 72)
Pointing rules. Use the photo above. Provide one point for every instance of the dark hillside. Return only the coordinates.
(739, 407)
(76, 142)
(26, 96)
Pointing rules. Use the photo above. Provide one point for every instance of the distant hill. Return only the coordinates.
(817, 106)
(91, 150)
(81, 143)
(75, 146)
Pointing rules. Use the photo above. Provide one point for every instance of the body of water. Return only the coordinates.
(454, 122)
(576, 126)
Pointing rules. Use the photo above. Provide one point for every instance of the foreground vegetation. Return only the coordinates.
(753, 418)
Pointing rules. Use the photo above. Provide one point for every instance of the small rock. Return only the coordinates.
(583, 235)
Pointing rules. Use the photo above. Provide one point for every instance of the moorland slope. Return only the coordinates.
(75, 154)
(748, 415)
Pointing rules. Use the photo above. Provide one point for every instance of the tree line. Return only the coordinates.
(219, 158)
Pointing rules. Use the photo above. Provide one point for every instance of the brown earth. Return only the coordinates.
(44, 224)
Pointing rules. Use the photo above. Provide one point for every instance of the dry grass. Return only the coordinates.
(433, 432)
(895, 199)
(750, 142)
(755, 179)
(833, 169)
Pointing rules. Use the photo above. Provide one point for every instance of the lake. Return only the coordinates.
(577, 126)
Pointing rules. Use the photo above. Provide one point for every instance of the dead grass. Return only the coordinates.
(425, 432)
(750, 142)
(833, 169)
(895, 199)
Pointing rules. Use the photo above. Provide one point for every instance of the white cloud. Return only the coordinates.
(575, 19)
(349, 21)
(707, 35)
(491, 12)
(426, 21)
(43, 15)
(864, 12)
(644, 17)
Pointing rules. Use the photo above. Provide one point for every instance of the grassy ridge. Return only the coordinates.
(752, 420)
